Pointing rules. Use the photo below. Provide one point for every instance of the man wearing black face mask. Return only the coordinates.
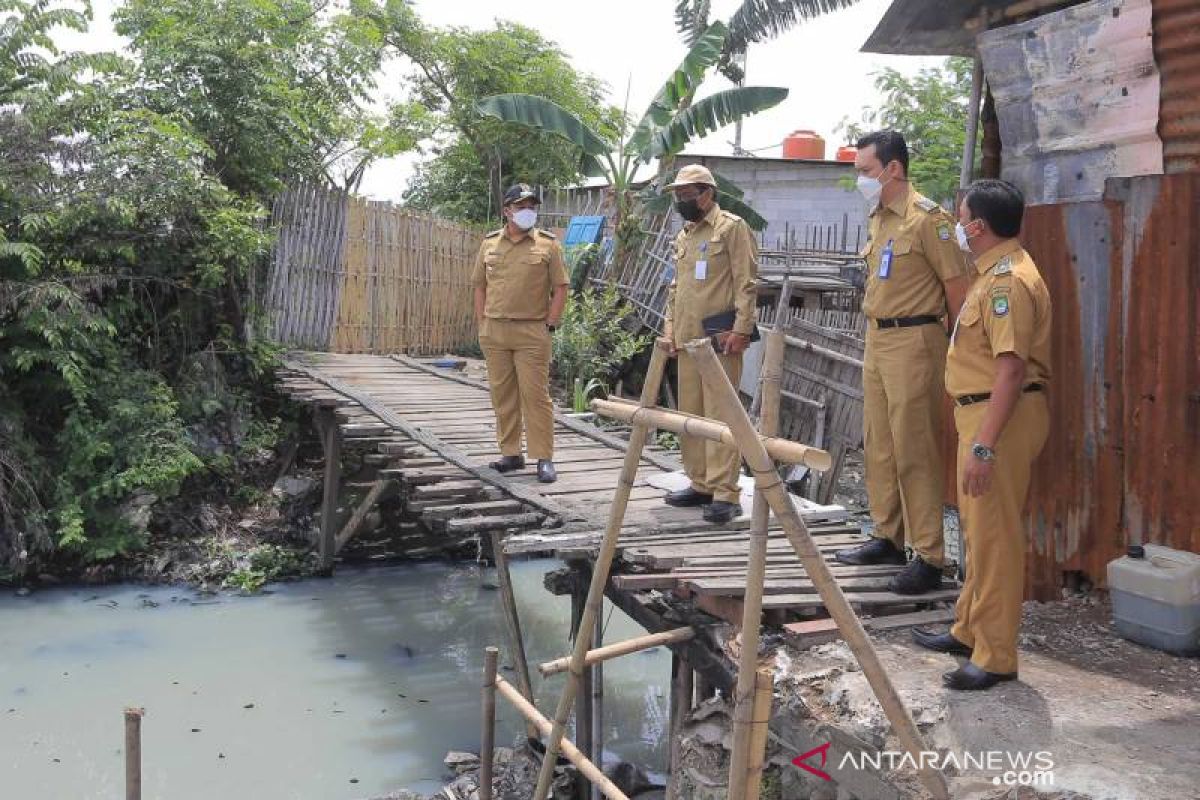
(716, 268)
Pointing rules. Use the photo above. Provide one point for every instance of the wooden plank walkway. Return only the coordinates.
(432, 434)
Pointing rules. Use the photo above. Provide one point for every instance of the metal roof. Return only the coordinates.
(928, 28)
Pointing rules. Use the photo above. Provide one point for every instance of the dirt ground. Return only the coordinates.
(1118, 720)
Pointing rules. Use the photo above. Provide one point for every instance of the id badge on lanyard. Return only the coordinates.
(702, 263)
(885, 261)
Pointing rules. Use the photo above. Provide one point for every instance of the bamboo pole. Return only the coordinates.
(608, 652)
(487, 750)
(764, 694)
(597, 707)
(832, 355)
(968, 159)
(512, 622)
(744, 697)
(133, 753)
(565, 746)
(782, 449)
(767, 479)
(602, 567)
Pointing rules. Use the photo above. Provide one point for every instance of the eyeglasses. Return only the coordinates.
(685, 195)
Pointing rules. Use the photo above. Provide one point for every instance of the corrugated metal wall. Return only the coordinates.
(1123, 461)
(1177, 51)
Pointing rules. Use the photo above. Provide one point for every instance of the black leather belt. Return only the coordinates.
(907, 322)
(971, 399)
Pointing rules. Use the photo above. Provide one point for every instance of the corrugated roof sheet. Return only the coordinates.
(1177, 50)
(1077, 98)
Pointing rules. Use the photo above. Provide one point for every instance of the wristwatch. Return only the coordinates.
(983, 452)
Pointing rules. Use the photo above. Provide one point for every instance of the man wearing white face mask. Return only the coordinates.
(520, 289)
(917, 279)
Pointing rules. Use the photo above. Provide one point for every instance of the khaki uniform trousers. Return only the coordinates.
(903, 391)
(518, 361)
(713, 468)
(988, 613)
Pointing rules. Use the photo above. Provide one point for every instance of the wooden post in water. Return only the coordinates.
(331, 443)
(743, 698)
(597, 670)
(583, 699)
(487, 750)
(601, 569)
(681, 706)
(512, 624)
(768, 480)
(133, 753)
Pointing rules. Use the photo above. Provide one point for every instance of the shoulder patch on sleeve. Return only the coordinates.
(1000, 304)
(925, 204)
(493, 234)
(943, 231)
(546, 233)
(1003, 267)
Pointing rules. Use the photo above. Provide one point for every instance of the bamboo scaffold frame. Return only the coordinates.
(736, 429)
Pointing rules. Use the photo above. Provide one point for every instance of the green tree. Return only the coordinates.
(930, 109)
(475, 157)
(276, 88)
(670, 121)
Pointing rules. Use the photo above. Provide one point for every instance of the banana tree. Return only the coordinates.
(754, 21)
(671, 121)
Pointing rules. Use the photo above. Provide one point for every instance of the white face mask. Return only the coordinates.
(964, 241)
(871, 188)
(525, 218)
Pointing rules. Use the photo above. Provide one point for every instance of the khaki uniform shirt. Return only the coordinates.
(1007, 311)
(724, 248)
(519, 276)
(925, 254)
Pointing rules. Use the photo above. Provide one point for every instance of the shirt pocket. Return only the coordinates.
(717, 256)
(967, 323)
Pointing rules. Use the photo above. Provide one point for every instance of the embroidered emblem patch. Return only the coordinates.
(1000, 305)
(1003, 266)
(943, 232)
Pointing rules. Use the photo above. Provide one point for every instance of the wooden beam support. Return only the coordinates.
(512, 622)
(598, 655)
(360, 514)
(487, 750)
(331, 444)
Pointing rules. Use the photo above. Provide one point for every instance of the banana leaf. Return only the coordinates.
(540, 114)
(710, 114)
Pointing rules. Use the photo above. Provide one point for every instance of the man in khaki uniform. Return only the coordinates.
(520, 290)
(916, 278)
(997, 372)
(716, 268)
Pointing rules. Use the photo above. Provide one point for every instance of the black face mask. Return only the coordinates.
(689, 209)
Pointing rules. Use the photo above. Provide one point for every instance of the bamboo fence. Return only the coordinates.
(350, 275)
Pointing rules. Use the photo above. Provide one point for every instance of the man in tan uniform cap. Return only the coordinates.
(716, 267)
(916, 277)
(997, 372)
(520, 290)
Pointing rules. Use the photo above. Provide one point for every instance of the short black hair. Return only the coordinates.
(998, 203)
(889, 146)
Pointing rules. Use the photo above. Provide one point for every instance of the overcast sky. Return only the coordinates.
(633, 43)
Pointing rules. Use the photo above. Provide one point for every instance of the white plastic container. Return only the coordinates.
(1155, 594)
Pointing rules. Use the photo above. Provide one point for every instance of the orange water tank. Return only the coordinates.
(804, 144)
(846, 153)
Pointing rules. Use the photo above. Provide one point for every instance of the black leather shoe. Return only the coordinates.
(876, 551)
(969, 677)
(545, 471)
(508, 463)
(940, 642)
(916, 578)
(721, 512)
(687, 498)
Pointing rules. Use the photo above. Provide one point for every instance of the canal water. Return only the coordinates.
(327, 688)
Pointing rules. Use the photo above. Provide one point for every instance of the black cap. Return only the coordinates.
(519, 191)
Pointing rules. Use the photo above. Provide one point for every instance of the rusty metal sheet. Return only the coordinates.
(1077, 98)
(1161, 369)
(1177, 51)
(1075, 494)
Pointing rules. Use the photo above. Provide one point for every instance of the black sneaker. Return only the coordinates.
(687, 498)
(876, 551)
(545, 471)
(918, 577)
(508, 463)
(721, 512)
